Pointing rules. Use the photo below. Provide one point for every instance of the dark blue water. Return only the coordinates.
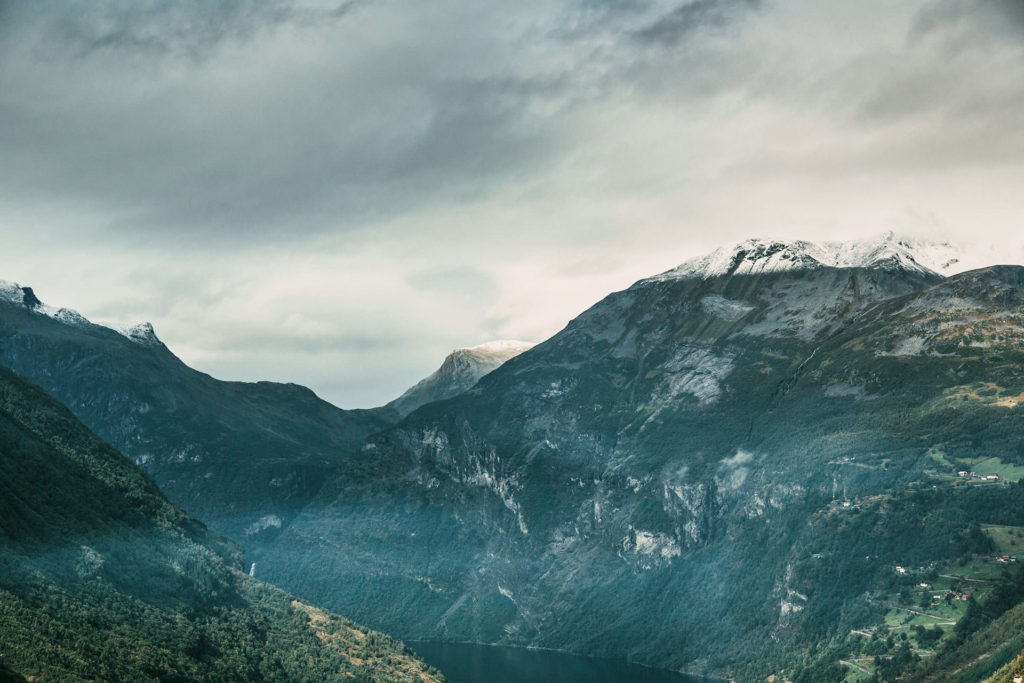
(465, 663)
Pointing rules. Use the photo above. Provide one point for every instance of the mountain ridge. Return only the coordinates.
(756, 255)
(231, 453)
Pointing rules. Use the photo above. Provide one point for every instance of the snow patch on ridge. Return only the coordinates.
(909, 346)
(11, 292)
(141, 334)
(742, 457)
(888, 251)
(844, 390)
(461, 369)
(15, 294)
(735, 471)
(718, 306)
(649, 545)
(505, 348)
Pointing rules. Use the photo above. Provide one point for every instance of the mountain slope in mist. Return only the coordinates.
(101, 578)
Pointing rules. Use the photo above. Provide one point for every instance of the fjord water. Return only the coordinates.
(470, 663)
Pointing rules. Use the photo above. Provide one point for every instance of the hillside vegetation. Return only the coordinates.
(102, 579)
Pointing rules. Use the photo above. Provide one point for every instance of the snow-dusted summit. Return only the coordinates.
(23, 297)
(887, 252)
(16, 295)
(459, 372)
(141, 334)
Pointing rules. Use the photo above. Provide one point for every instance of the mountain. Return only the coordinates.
(101, 578)
(240, 456)
(461, 369)
(660, 480)
(719, 468)
(888, 251)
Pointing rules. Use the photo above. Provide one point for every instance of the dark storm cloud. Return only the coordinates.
(324, 145)
(308, 174)
(956, 85)
(992, 18)
(683, 20)
(190, 28)
(149, 111)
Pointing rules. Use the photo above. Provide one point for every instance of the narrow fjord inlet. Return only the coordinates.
(469, 663)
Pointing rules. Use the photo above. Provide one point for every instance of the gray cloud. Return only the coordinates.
(169, 146)
(462, 281)
(161, 28)
(992, 18)
(681, 21)
(177, 118)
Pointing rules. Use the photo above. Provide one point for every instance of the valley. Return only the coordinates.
(782, 459)
(557, 341)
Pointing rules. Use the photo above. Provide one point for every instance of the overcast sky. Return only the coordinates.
(339, 193)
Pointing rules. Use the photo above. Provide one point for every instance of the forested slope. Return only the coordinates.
(101, 578)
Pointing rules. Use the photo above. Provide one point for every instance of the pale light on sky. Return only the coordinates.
(339, 193)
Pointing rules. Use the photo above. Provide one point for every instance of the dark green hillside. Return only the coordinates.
(102, 579)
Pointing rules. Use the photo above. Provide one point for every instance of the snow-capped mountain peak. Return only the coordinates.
(15, 294)
(141, 333)
(756, 256)
(500, 348)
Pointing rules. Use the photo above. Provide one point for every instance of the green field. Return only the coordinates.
(976, 576)
(1009, 540)
(1006, 471)
(940, 614)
